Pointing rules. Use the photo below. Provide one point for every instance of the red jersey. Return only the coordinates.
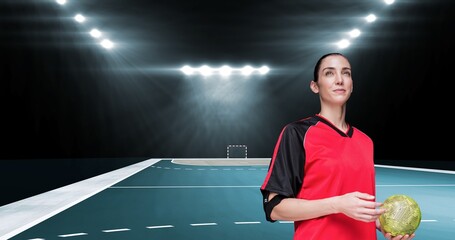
(313, 160)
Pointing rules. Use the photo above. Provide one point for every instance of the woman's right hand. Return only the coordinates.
(359, 206)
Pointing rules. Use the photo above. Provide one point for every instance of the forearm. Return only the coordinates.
(293, 209)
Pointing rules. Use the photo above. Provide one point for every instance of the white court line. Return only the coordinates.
(429, 220)
(185, 186)
(246, 223)
(286, 221)
(416, 185)
(203, 224)
(21, 215)
(116, 230)
(257, 186)
(72, 235)
(416, 169)
(162, 226)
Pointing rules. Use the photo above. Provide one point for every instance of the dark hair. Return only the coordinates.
(318, 64)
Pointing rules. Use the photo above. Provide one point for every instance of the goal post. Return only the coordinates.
(236, 151)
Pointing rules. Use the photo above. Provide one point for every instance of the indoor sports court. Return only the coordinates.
(159, 119)
(199, 199)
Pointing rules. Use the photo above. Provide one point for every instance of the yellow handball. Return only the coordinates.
(402, 215)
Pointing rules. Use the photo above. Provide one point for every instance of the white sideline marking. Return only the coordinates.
(72, 235)
(18, 216)
(247, 222)
(416, 185)
(162, 226)
(116, 230)
(416, 169)
(203, 224)
(185, 186)
(286, 221)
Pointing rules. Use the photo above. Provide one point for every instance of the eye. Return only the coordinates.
(328, 73)
(347, 73)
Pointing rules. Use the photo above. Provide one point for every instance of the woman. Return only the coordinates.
(322, 175)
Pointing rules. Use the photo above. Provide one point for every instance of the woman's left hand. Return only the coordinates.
(389, 236)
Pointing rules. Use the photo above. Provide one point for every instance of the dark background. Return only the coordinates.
(71, 109)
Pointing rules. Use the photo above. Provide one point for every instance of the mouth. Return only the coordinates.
(340, 90)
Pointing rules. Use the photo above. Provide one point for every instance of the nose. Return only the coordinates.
(339, 80)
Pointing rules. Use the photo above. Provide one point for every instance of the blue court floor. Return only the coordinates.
(175, 201)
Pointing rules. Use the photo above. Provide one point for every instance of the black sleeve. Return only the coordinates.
(285, 173)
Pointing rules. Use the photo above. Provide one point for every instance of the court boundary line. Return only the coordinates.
(258, 186)
(415, 185)
(183, 186)
(19, 216)
(221, 161)
(416, 169)
(244, 161)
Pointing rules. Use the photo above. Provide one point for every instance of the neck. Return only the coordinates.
(336, 116)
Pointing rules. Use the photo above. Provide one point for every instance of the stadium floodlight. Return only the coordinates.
(264, 70)
(370, 18)
(61, 2)
(106, 43)
(205, 70)
(344, 43)
(388, 2)
(79, 18)
(187, 70)
(354, 33)
(247, 70)
(95, 33)
(225, 70)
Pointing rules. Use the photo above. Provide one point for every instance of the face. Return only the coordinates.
(334, 84)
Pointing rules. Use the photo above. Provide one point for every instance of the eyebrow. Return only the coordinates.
(332, 68)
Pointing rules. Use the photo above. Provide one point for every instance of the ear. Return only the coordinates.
(314, 87)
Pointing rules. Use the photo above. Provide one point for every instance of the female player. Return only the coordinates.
(321, 175)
